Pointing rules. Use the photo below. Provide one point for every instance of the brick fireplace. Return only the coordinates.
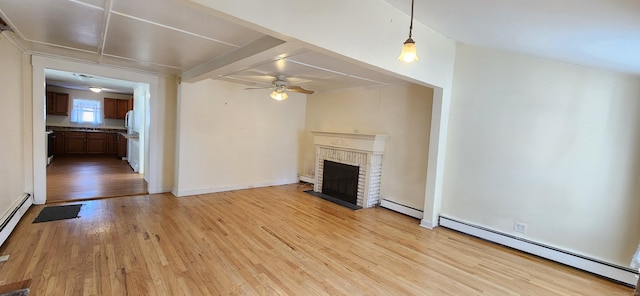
(361, 150)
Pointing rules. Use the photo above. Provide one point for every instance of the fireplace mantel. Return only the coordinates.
(361, 150)
(362, 142)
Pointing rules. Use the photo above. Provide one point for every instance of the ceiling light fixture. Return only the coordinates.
(279, 95)
(95, 89)
(408, 53)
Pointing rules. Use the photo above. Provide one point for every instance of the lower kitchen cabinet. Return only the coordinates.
(112, 143)
(59, 143)
(89, 143)
(75, 143)
(121, 146)
(96, 143)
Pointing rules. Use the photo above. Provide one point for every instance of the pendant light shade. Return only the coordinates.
(408, 53)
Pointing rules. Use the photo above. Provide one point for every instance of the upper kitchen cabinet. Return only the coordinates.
(116, 108)
(57, 103)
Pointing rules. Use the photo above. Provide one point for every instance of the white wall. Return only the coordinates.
(12, 174)
(160, 143)
(58, 120)
(230, 138)
(553, 145)
(403, 112)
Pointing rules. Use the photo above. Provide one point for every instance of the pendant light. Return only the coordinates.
(408, 53)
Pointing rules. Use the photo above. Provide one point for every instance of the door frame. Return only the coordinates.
(152, 147)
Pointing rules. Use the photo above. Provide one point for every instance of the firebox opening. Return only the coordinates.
(340, 181)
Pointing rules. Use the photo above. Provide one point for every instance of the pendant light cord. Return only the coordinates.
(411, 24)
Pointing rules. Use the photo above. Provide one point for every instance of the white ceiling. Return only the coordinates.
(82, 81)
(164, 36)
(597, 33)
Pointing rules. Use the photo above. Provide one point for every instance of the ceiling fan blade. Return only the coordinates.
(258, 88)
(299, 90)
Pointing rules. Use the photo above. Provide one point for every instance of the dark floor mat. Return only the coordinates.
(58, 213)
(334, 200)
(21, 292)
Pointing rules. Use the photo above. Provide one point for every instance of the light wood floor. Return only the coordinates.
(91, 177)
(268, 241)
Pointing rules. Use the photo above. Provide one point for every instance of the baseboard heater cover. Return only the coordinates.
(400, 208)
(612, 271)
(307, 179)
(11, 220)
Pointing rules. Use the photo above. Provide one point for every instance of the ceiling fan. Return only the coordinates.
(281, 86)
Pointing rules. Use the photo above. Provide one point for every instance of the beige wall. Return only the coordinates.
(231, 138)
(403, 112)
(549, 144)
(164, 129)
(12, 174)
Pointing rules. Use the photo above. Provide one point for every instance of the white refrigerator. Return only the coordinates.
(133, 142)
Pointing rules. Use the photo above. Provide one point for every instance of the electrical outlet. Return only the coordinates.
(520, 227)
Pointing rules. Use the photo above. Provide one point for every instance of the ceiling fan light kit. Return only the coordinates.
(408, 53)
(281, 86)
(279, 95)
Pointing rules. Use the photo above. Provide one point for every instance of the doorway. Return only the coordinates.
(93, 143)
(39, 124)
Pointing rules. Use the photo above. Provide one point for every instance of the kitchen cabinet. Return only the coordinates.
(96, 143)
(121, 146)
(110, 108)
(57, 103)
(58, 143)
(123, 107)
(75, 142)
(89, 143)
(85, 143)
(116, 108)
(112, 143)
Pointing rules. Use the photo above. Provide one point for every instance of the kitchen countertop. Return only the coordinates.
(86, 129)
(130, 136)
(121, 131)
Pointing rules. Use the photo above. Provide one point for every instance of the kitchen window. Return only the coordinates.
(86, 111)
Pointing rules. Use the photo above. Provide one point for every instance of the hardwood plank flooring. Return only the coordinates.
(91, 177)
(269, 241)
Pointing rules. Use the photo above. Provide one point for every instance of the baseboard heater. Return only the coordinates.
(307, 179)
(400, 208)
(10, 221)
(611, 271)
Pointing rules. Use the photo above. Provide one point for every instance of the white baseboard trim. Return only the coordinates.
(612, 271)
(307, 179)
(11, 219)
(400, 208)
(181, 193)
(427, 224)
(161, 190)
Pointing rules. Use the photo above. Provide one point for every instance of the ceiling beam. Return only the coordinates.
(264, 48)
